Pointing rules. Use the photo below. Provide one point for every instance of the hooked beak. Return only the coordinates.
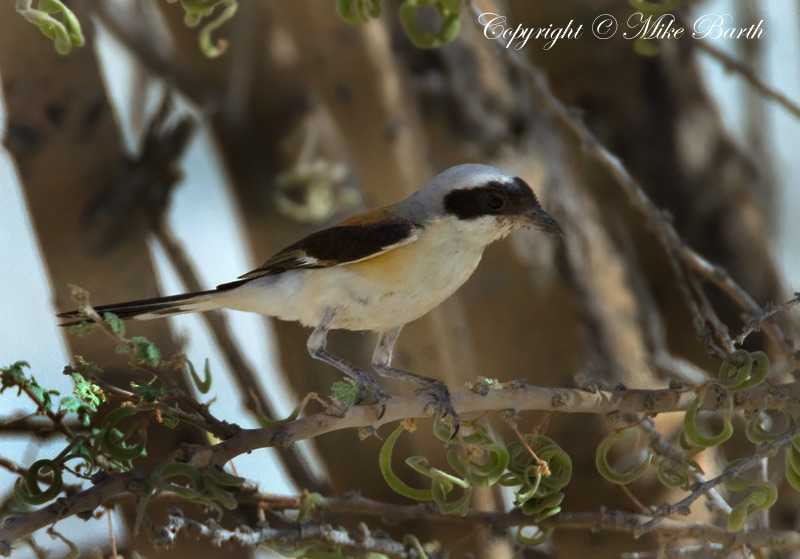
(543, 221)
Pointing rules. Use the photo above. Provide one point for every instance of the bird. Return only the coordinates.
(376, 271)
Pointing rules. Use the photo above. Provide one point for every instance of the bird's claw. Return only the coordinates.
(367, 383)
(441, 403)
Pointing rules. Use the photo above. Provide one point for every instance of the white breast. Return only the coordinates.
(376, 294)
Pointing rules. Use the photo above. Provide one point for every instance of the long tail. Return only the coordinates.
(147, 309)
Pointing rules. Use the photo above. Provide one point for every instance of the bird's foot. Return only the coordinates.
(441, 403)
(367, 383)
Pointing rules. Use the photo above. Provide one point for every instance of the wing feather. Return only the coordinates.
(353, 240)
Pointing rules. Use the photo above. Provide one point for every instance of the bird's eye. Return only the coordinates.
(495, 202)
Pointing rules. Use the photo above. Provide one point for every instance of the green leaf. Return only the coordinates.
(346, 391)
(85, 367)
(147, 392)
(87, 391)
(13, 375)
(116, 324)
(145, 350)
(42, 395)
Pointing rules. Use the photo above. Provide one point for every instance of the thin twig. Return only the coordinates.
(664, 449)
(111, 535)
(719, 328)
(31, 425)
(739, 468)
(755, 323)
(740, 68)
(58, 422)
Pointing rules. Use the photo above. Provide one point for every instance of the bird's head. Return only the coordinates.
(484, 201)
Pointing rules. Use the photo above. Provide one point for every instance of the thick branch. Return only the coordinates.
(608, 520)
(466, 402)
(359, 544)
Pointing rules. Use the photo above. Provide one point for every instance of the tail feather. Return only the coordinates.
(147, 309)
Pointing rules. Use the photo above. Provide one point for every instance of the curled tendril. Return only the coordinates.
(357, 12)
(65, 33)
(265, 421)
(74, 551)
(793, 462)
(202, 488)
(757, 434)
(27, 488)
(202, 385)
(742, 370)
(538, 536)
(672, 474)
(693, 433)
(310, 501)
(537, 494)
(443, 484)
(691, 449)
(398, 485)
(762, 496)
(411, 541)
(449, 11)
(113, 441)
(196, 10)
(605, 469)
(484, 468)
(478, 459)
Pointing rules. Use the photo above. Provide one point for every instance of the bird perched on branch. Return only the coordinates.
(377, 271)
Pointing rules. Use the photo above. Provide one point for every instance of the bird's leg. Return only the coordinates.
(316, 348)
(382, 359)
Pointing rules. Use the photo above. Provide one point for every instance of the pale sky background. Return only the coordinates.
(203, 217)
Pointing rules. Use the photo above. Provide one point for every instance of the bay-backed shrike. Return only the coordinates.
(377, 271)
